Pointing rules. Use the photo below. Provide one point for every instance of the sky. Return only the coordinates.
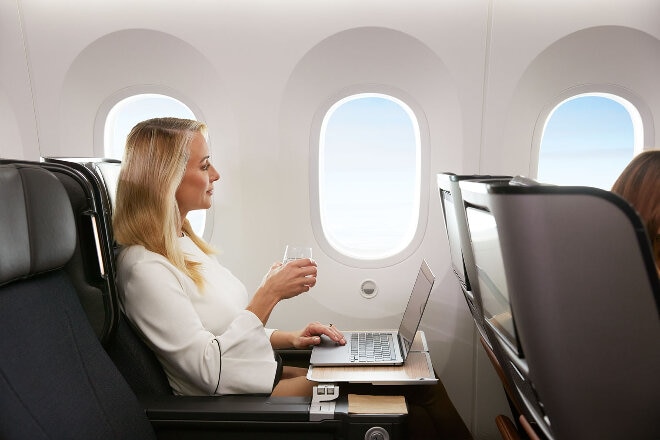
(587, 141)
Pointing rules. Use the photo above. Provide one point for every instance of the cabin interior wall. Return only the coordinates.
(566, 46)
(257, 72)
(17, 113)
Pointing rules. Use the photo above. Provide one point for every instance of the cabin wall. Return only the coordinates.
(17, 112)
(543, 52)
(481, 73)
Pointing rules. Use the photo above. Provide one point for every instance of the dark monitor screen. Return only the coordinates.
(453, 234)
(491, 277)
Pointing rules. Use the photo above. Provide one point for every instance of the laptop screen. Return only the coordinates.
(415, 308)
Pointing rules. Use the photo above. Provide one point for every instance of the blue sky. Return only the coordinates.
(587, 141)
(369, 176)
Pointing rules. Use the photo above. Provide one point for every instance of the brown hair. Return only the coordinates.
(639, 184)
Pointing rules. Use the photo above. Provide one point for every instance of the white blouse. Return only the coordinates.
(206, 341)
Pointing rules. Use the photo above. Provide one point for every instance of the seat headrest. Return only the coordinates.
(37, 227)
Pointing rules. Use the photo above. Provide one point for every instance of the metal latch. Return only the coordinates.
(322, 406)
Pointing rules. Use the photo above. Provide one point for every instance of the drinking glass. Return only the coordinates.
(296, 253)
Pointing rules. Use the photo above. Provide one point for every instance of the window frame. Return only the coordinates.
(423, 178)
(640, 114)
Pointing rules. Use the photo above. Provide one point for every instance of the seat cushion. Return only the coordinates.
(56, 381)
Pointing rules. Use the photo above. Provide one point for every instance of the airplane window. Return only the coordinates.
(588, 140)
(128, 112)
(369, 176)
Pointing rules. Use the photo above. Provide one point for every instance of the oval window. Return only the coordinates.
(369, 176)
(588, 140)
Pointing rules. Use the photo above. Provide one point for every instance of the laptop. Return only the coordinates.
(379, 347)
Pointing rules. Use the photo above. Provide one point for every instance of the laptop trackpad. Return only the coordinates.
(329, 351)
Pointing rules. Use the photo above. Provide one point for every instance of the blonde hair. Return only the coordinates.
(146, 211)
(639, 184)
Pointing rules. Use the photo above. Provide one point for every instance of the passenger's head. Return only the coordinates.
(146, 210)
(639, 184)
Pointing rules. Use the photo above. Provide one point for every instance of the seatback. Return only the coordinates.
(584, 292)
(56, 379)
(96, 181)
(453, 211)
(485, 267)
(92, 265)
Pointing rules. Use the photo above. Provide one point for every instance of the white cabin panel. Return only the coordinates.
(17, 112)
(539, 52)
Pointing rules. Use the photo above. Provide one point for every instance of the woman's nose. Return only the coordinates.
(214, 174)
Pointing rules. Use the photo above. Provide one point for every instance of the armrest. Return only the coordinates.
(252, 416)
(237, 417)
(234, 407)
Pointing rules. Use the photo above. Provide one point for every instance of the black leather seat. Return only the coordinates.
(56, 380)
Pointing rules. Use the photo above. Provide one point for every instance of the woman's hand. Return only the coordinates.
(291, 279)
(310, 335)
(282, 281)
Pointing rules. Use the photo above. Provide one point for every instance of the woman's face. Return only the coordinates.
(196, 188)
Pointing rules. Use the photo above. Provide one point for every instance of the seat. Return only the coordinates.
(56, 380)
(458, 237)
(226, 417)
(484, 266)
(459, 245)
(584, 294)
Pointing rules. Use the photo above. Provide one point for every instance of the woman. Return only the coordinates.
(639, 184)
(193, 312)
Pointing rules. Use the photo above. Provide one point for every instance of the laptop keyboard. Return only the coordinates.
(370, 347)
